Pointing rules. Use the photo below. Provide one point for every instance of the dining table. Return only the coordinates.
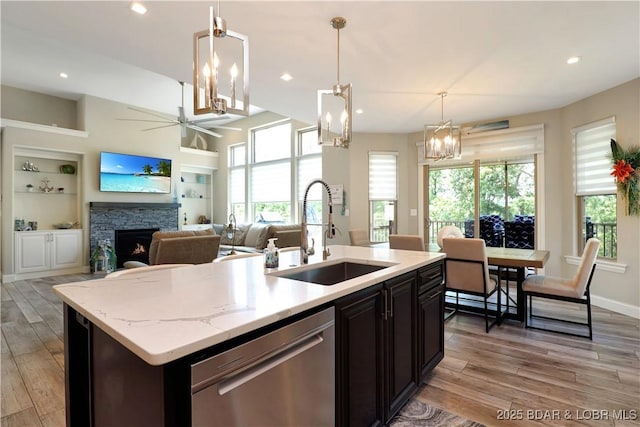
(515, 260)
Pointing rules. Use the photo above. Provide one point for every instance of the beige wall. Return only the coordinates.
(33, 107)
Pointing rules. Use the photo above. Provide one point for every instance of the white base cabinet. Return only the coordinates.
(47, 250)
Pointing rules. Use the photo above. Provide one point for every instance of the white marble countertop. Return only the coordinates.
(167, 314)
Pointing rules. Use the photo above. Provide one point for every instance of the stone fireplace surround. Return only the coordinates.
(106, 217)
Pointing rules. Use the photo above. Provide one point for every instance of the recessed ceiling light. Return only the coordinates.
(286, 77)
(138, 8)
(573, 60)
(359, 111)
(63, 75)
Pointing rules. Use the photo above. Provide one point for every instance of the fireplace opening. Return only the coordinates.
(133, 245)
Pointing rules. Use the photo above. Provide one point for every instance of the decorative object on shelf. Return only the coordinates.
(65, 225)
(340, 100)
(626, 171)
(29, 187)
(19, 224)
(185, 218)
(209, 47)
(103, 258)
(67, 169)
(33, 225)
(60, 189)
(442, 141)
(231, 232)
(45, 187)
(30, 167)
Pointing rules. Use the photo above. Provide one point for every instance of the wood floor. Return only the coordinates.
(525, 377)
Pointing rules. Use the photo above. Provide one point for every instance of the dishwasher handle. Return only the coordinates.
(269, 363)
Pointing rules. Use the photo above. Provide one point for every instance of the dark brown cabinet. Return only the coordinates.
(400, 335)
(376, 351)
(430, 317)
(359, 358)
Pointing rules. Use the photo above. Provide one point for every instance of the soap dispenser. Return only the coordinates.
(271, 254)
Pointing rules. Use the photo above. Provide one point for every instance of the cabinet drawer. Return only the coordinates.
(430, 276)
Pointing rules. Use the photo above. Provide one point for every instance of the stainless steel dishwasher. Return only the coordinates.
(284, 378)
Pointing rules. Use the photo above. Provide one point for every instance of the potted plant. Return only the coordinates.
(103, 258)
(626, 171)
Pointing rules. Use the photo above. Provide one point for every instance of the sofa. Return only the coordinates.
(181, 247)
(255, 236)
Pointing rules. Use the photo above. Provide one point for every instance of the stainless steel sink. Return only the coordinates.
(334, 273)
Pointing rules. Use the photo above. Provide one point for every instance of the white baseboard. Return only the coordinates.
(8, 278)
(617, 306)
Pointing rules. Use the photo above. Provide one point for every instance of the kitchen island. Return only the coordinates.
(132, 341)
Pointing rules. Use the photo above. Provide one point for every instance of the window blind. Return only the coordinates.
(592, 149)
(236, 185)
(309, 168)
(383, 176)
(505, 144)
(271, 182)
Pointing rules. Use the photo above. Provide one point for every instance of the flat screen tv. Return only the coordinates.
(134, 174)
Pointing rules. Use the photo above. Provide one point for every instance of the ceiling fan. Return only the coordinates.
(183, 122)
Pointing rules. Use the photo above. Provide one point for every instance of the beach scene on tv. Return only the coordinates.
(134, 174)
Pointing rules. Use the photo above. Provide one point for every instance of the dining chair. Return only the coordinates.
(359, 237)
(467, 272)
(409, 242)
(575, 290)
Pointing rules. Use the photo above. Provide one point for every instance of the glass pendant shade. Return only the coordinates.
(220, 69)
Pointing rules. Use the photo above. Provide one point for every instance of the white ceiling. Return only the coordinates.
(495, 59)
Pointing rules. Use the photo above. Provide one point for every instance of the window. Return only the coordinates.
(451, 200)
(236, 191)
(383, 195)
(495, 198)
(270, 171)
(265, 185)
(310, 168)
(595, 189)
(507, 193)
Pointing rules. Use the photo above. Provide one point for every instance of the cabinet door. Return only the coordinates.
(430, 329)
(359, 343)
(401, 342)
(31, 251)
(66, 250)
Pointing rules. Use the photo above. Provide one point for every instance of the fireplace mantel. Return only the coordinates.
(124, 205)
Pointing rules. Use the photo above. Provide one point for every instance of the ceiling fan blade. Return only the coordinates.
(149, 112)
(160, 127)
(211, 119)
(203, 130)
(149, 121)
(226, 128)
